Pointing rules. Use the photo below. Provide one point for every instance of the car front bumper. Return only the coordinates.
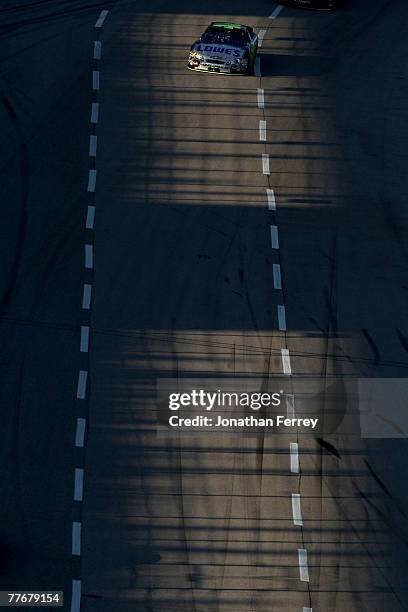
(208, 66)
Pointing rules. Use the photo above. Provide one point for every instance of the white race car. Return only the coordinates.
(229, 48)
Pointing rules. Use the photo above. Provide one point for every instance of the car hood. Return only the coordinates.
(225, 52)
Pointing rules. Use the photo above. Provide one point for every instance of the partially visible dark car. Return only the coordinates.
(320, 5)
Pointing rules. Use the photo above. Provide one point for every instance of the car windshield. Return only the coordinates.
(224, 36)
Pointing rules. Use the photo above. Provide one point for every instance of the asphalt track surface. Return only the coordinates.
(182, 285)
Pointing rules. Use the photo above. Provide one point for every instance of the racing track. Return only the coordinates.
(183, 285)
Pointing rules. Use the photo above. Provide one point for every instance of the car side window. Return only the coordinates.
(247, 38)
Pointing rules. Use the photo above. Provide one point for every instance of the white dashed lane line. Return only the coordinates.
(294, 457)
(287, 369)
(95, 112)
(76, 538)
(80, 432)
(270, 194)
(274, 237)
(260, 95)
(93, 143)
(89, 256)
(87, 296)
(82, 390)
(296, 510)
(81, 387)
(290, 406)
(84, 344)
(265, 163)
(261, 36)
(95, 80)
(76, 596)
(79, 484)
(277, 278)
(281, 317)
(262, 130)
(276, 12)
(90, 217)
(303, 567)
(100, 21)
(91, 181)
(281, 314)
(97, 54)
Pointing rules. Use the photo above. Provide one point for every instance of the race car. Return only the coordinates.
(229, 48)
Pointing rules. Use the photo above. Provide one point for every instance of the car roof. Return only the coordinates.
(228, 26)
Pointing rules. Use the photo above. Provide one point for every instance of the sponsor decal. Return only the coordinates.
(215, 49)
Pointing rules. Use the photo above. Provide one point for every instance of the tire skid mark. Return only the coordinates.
(22, 223)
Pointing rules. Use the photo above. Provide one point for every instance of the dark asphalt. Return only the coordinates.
(183, 287)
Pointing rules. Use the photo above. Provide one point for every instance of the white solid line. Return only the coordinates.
(277, 278)
(76, 596)
(262, 130)
(261, 36)
(265, 163)
(91, 181)
(303, 569)
(287, 369)
(97, 50)
(84, 344)
(281, 317)
(257, 67)
(276, 12)
(95, 112)
(79, 484)
(95, 80)
(101, 19)
(76, 538)
(90, 217)
(89, 256)
(271, 199)
(290, 406)
(296, 510)
(86, 296)
(81, 388)
(274, 237)
(93, 142)
(80, 432)
(294, 457)
(260, 93)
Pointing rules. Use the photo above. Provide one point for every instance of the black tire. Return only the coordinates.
(251, 66)
(255, 56)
